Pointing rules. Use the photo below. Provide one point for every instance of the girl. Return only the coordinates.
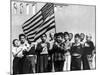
(67, 47)
(76, 53)
(88, 50)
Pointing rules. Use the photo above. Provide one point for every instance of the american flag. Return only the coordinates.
(40, 23)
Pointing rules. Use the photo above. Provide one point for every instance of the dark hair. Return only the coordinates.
(71, 34)
(70, 38)
(66, 33)
(60, 34)
(55, 35)
(82, 34)
(14, 42)
(77, 35)
(20, 35)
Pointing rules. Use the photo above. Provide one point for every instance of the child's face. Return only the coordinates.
(82, 36)
(23, 39)
(77, 39)
(43, 38)
(70, 36)
(59, 39)
(88, 38)
(17, 43)
(66, 37)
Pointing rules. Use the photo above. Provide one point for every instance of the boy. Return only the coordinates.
(58, 50)
(25, 63)
(42, 54)
(31, 56)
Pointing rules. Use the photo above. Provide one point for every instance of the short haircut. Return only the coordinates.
(77, 35)
(89, 35)
(20, 35)
(14, 42)
(55, 35)
(66, 33)
(60, 34)
(82, 34)
(71, 34)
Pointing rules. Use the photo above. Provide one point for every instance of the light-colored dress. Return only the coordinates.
(67, 56)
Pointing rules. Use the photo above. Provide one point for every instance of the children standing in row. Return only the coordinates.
(59, 54)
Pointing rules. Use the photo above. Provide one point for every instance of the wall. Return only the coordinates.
(71, 18)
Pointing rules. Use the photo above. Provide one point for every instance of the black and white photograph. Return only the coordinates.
(49, 37)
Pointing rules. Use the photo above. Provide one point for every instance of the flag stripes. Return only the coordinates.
(45, 25)
(39, 35)
(34, 29)
(37, 24)
(32, 21)
(40, 23)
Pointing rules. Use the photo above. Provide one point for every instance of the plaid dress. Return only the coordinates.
(58, 52)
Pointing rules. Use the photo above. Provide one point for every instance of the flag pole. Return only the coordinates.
(54, 18)
(53, 70)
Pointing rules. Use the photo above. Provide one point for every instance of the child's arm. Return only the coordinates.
(16, 51)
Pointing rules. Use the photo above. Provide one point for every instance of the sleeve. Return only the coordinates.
(14, 51)
(54, 49)
(92, 48)
(32, 50)
(71, 50)
(27, 46)
(49, 48)
(38, 48)
(67, 48)
(58, 49)
(70, 47)
(18, 52)
(51, 45)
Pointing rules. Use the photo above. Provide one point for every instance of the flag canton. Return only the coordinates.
(47, 10)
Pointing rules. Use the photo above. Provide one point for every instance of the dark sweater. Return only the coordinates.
(88, 50)
(76, 49)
